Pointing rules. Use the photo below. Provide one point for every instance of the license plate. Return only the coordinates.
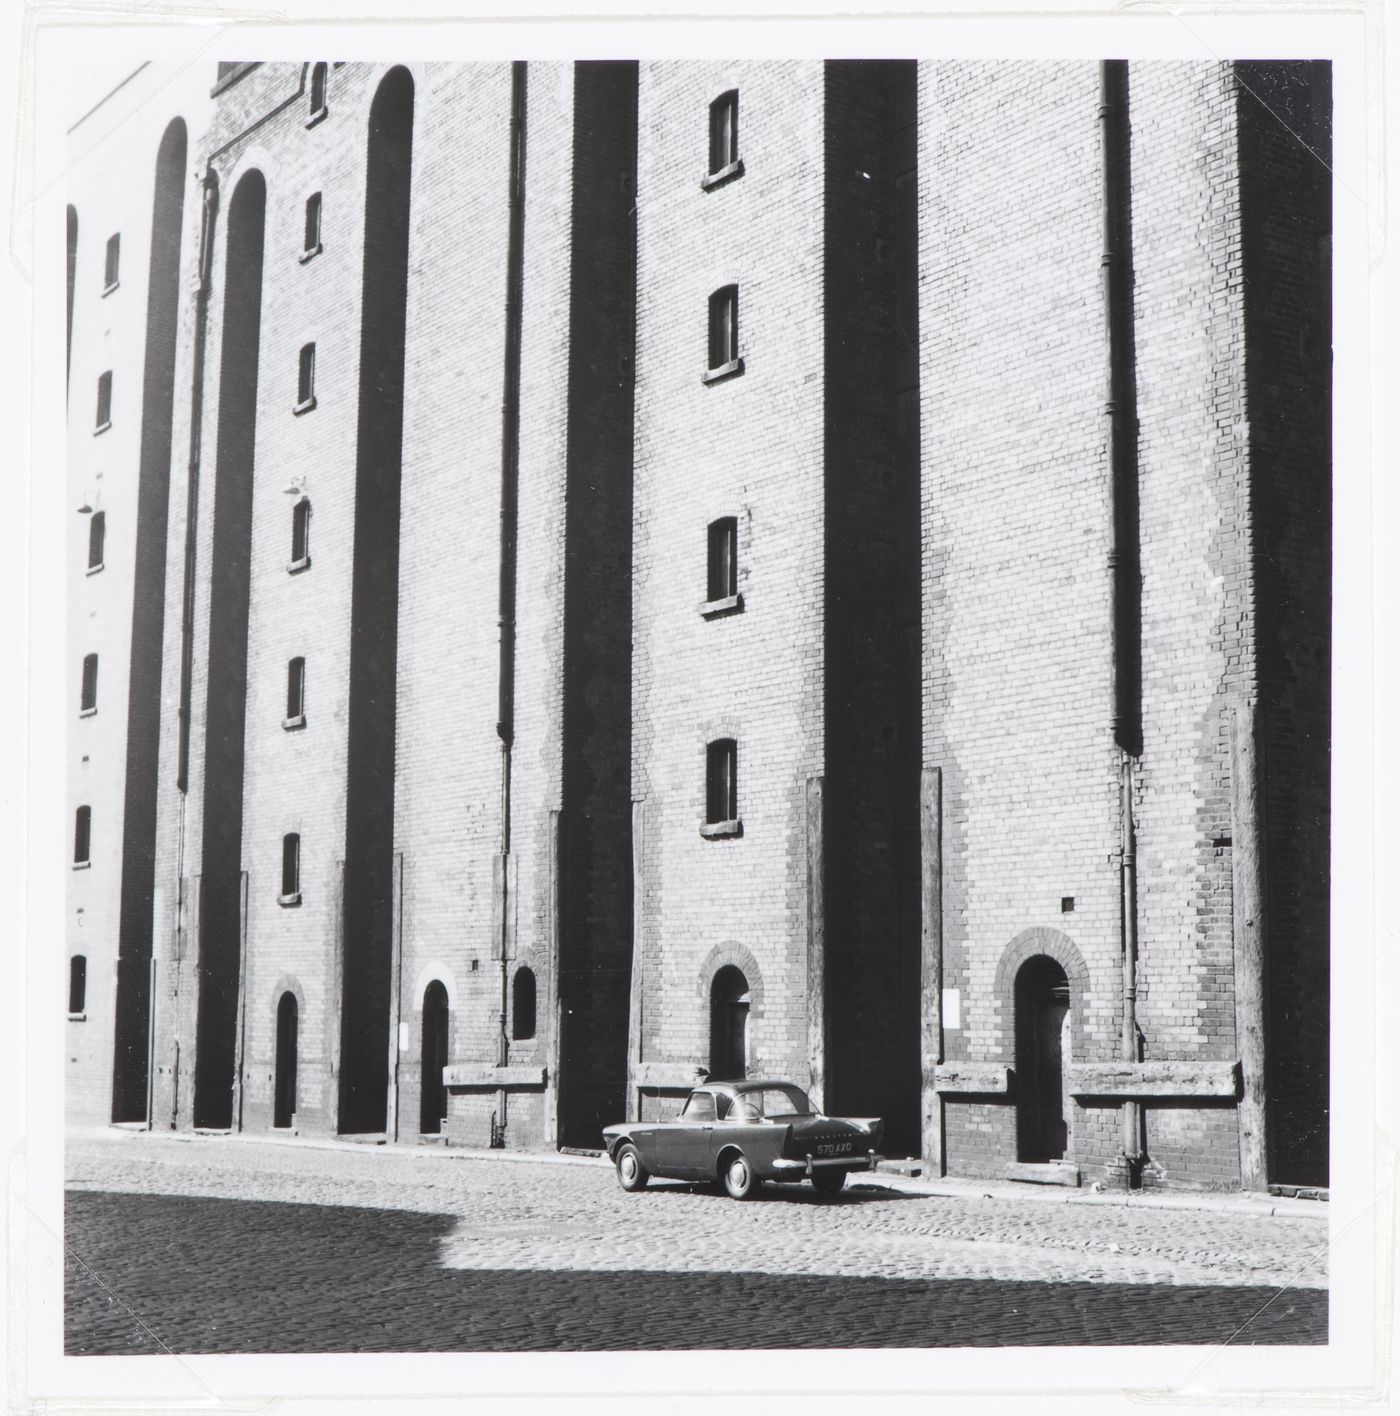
(834, 1148)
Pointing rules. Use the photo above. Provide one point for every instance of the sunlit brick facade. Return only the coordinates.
(808, 568)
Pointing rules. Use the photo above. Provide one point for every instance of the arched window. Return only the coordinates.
(87, 701)
(77, 984)
(296, 694)
(104, 402)
(721, 782)
(724, 328)
(318, 94)
(522, 1005)
(311, 241)
(82, 836)
(111, 268)
(306, 379)
(291, 870)
(301, 536)
(723, 559)
(97, 540)
(729, 1024)
(724, 132)
(284, 1087)
(432, 1107)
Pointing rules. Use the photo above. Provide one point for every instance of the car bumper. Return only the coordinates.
(784, 1169)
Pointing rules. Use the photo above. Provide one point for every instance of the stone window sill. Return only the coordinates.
(77, 1017)
(290, 724)
(93, 569)
(727, 173)
(309, 253)
(289, 901)
(318, 116)
(297, 566)
(107, 289)
(729, 605)
(720, 830)
(305, 406)
(82, 865)
(101, 428)
(731, 370)
(87, 712)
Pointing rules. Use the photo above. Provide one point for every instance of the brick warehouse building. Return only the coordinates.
(842, 594)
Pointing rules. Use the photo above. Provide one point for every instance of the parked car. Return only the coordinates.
(742, 1133)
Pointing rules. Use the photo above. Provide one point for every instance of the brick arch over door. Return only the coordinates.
(731, 952)
(1027, 945)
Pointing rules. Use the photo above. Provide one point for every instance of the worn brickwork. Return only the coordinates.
(114, 610)
(447, 799)
(915, 450)
(1017, 685)
(750, 447)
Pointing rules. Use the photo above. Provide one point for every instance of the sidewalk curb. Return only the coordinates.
(1259, 1206)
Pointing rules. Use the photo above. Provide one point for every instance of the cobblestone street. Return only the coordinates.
(231, 1245)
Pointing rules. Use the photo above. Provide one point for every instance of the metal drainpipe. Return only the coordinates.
(510, 476)
(1121, 421)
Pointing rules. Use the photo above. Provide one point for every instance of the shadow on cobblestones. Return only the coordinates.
(154, 1273)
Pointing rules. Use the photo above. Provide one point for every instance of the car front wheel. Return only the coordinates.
(631, 1173)
(739, 1178)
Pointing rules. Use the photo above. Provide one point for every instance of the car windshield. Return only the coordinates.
(771, 1102)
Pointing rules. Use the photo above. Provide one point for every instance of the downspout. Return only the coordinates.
(208, 215)
(510, 477)
(1120, 415)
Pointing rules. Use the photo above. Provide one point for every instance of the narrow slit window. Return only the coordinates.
(104, 402)
(291, 869)
(301, 535)
(306, 378)
(87, 702)
(111, 265)
(82, 836)
(311, 242)
(318, 92)
(724, 327)
(721, 782)
(296, 693)
(723, 578)
(97, 540)
(77, 984)
(522, 1009)
(724, 131)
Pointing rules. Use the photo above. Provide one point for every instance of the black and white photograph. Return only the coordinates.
(702, 698)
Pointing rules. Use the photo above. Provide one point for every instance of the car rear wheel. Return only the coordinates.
(739, 1179)
(631, 1173)
(828, 1182)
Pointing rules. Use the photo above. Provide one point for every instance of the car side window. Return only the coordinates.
(744, 1109)
(700, 1107)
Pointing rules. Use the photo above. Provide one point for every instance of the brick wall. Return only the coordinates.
(1016, 610)
(115, 611)
(750, 447)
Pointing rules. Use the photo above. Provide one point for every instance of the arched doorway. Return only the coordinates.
(729, 1023)
(1042, 1051)
(432, 1106)
(284, 1087)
